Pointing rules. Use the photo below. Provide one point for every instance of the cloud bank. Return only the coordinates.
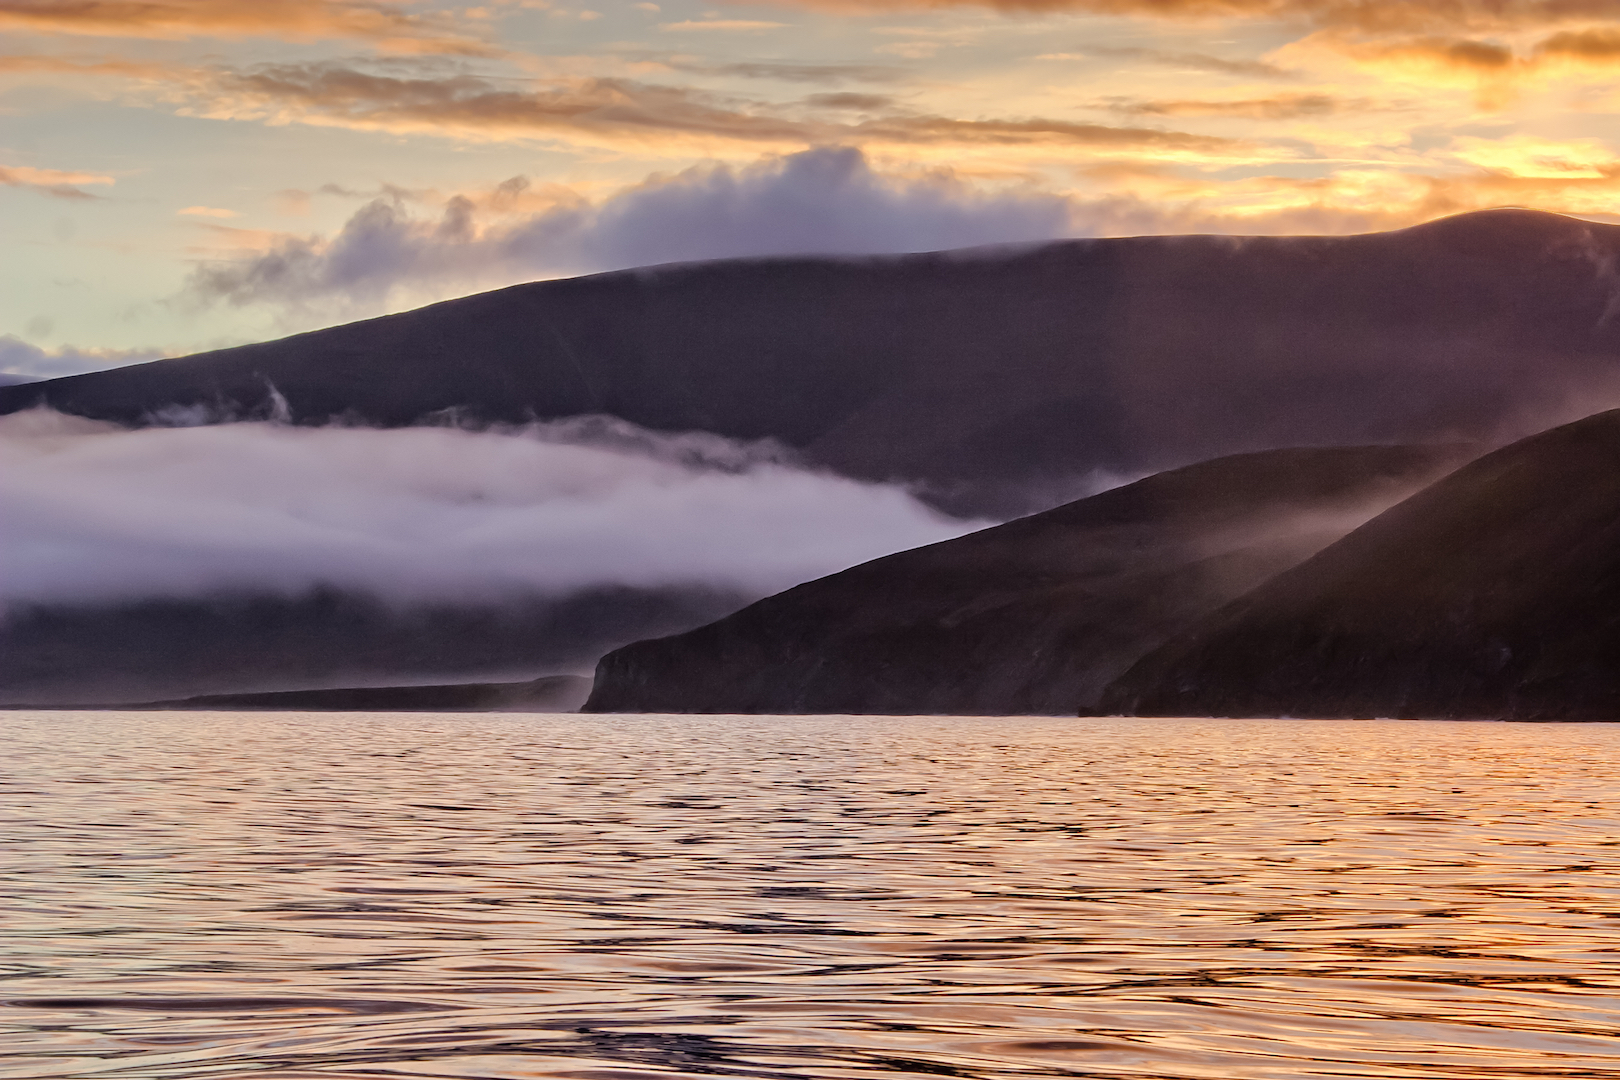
(832, 201)
(823, 201)
(91, 513)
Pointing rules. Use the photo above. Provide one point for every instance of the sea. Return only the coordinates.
(367, 895)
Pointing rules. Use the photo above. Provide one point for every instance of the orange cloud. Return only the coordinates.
(1593, 45)
(470, 106)
(127, 69)
(1273, 107)
(1491, 72)
(56, 182)
(939, 129)
(297, 20)
(1590, 46)
(1525, 157)
(615, 111)
(1348, 200)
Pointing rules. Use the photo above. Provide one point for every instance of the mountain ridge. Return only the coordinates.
(1493, 593)
(994, 381)
(1034, 616)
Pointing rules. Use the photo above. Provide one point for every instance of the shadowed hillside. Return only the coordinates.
(997, 378)
(168, 648)
(1034, 616)
(552, 693)
(1495, 593)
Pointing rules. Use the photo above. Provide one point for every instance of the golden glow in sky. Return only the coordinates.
(176, 174)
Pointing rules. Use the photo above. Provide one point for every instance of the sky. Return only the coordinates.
(177, 175)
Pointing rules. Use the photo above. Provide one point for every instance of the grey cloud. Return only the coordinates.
(826, 201)
(781, 71)
(1253, 69)
(845, 100)
(98, 514)
(1274, 107)
(22, 362)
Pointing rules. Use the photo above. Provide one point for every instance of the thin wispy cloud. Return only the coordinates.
(1271, 107)
(60, 183)
(783, 71)
(1190, 61)
(732, 26)
(1368, 15)
(617, 111)
(381, 24)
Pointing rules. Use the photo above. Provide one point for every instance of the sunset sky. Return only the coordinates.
(182, 174)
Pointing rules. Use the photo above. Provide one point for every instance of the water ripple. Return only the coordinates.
(291, 897)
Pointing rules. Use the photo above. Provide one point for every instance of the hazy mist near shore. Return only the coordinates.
(96, 513)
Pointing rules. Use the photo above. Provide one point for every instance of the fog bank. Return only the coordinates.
(92, 513)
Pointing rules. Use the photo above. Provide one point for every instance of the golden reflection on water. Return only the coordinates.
(360, 896)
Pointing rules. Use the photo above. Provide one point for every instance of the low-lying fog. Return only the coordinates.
(92, 513)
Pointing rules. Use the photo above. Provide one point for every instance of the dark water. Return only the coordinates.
(369, 896)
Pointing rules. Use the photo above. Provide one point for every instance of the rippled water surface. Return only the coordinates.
(404, 896)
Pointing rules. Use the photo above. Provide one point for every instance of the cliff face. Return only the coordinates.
(1495, 593)
(991, 378)
(1035, 616)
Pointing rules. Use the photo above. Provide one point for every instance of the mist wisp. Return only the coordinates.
(91, 513)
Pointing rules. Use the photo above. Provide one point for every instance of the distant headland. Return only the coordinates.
(1300, 544)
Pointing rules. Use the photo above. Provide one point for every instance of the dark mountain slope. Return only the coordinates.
(971, 371)
(1495, 593)
(1034, 616)
(553, 693)
(168, 648)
